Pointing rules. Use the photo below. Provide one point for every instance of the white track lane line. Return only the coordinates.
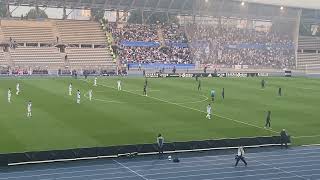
(215, 158)
(130, 170)
(218, 158)
(137, 171)
(177, 104)
(288, 172)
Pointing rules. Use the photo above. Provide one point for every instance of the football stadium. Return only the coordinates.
(159, 89)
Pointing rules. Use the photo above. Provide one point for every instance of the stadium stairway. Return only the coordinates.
(161, 38)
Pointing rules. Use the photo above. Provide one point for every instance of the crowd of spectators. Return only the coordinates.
(40, 71)
(221, 46)
(134, 32)
(228, 47)
(174, 33)
(164, 53)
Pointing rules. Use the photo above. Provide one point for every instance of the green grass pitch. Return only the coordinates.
(174, 107)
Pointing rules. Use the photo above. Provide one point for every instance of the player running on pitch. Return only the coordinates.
(263, 83)
(29, 109)
(222, 93)
(145, 90)
(70, 89)
(78, 96)
(90, 94)
(146, 82)
(209, 110)
(280, 91)
(9, 95)
(95, 81)
(18, 89)
(199, 85)
(268, 120)
(212, 95)
(119, 85)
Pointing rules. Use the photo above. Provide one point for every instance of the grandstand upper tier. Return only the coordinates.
(47, 43)
(219, 47)
(80, 32)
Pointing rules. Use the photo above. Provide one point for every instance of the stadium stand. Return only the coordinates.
(308, 57)
(3, 61)
(28, 31)
(31, 43)
(92, 57)
(80, 32)
(308, 61)
(309, 42)
(229, 46)
(151, 43)
(34, 56)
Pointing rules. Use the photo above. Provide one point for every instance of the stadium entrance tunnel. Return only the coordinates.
(139, 149)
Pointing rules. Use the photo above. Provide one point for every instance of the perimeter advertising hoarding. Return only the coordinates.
(188, 75)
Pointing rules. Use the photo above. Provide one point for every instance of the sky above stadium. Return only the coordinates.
(309, 4)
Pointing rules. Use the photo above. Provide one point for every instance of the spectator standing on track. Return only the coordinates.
(284, 138)
(160, 143)
(240, 156)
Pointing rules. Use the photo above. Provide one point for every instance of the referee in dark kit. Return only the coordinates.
(160, 143)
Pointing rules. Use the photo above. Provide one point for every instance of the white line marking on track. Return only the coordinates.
(223, 117)
(288, 172)
(130, 170)
(215, 158)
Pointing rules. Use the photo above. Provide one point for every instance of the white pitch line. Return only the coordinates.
(288, 172)
(223, 117)
(130, 169)
(111, 101)
(193, 102)
(311, 136)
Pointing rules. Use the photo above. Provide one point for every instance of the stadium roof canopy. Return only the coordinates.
(307, 4)
(227, 8)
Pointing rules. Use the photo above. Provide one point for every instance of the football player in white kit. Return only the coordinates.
(90, 94)
(78, 97)
(95, 81)
(29, 109)
(209, 109)
(70, 89)
(9, 95)
(18, 89)
(119, 85)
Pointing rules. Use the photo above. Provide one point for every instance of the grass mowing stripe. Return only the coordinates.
(252, 125)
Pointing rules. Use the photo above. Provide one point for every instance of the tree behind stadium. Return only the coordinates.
(36, 13)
